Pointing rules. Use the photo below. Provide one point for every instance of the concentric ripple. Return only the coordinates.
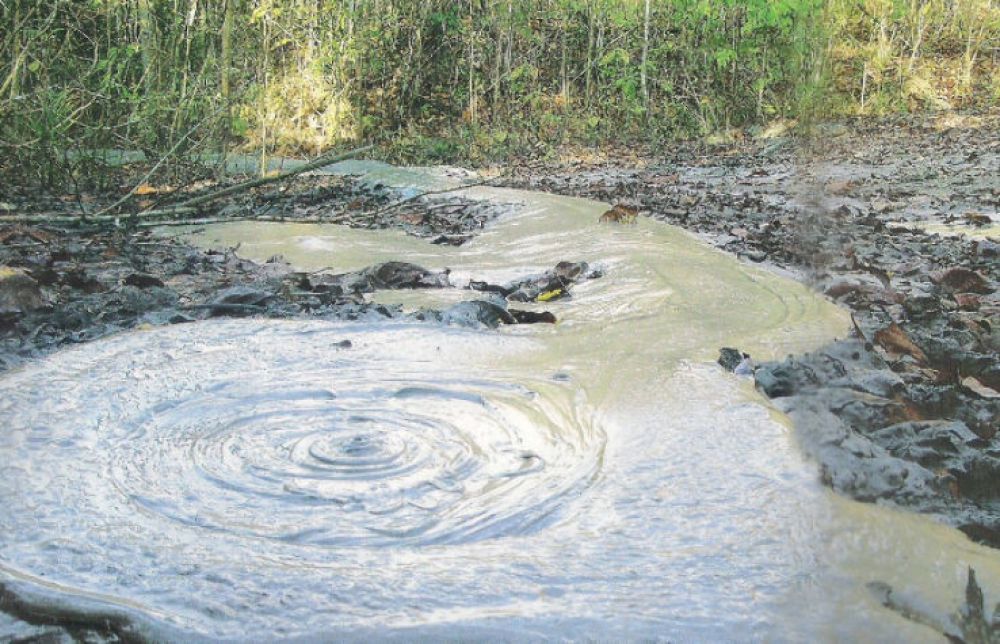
(282, 433)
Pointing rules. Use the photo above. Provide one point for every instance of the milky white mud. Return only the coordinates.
(600, 478)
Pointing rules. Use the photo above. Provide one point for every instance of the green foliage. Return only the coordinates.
(447, 79)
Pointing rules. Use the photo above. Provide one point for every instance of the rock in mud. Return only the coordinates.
(142, 280)
(730, 358)
(386, 276)
(242, 295)
(19, 293)
(533, 317)
(553, 284)
(477, 313)
(403, 275)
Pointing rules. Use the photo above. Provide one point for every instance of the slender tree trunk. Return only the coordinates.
(225, 63)
(645, 59)
(589, 71)
(563, 71)
(148, 46)
(17, 53)
(472, 62)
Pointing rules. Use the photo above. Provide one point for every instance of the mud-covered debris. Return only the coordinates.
(730, 358)
(403, 275)
(895, 341)
(385, 276)
(962, 280)
(532, 317)
(142, 280)
(19, 292)
(620, 214)
(553, 284)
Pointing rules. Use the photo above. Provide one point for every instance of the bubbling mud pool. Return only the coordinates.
(600, 478)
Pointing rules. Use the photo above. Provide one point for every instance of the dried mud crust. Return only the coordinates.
(907, 409)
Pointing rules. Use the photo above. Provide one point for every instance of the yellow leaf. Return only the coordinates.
(549, 295)
(146, 189)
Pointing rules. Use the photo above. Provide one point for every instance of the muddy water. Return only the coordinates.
(599, 478)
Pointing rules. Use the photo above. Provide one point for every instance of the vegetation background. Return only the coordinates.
(462, 80)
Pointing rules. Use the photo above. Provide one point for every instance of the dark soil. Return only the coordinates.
(907, 410)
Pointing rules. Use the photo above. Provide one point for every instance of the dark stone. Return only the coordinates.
(532, 317)
(488, 288)
(730, 358)
(783, 379)
(19, 293)
(241, 295)
(476, 313)
(142, 280)
(403, 275)
(987, 535)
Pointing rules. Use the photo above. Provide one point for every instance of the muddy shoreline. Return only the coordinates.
(905, 411)
(67, 285)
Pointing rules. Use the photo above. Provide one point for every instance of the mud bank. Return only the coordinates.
(64, 285)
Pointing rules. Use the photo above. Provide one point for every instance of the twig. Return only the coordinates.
(861, 334)
(225, 307)
(189, 207)
(397, 204)
(247, 185)
(156, 167)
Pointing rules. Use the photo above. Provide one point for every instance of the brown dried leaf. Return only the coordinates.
(967, 301)
(621, 214)
(840, 187)
(978, 388)
(977, 219)
(893, 339)
(146, 189)
(961, 280)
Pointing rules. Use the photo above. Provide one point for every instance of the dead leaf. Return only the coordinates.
(621, 214)
(978, 388)
(961, 280)
(146, 189)
(967, 301)
(893, 339)
(840, 187)
(977, 219)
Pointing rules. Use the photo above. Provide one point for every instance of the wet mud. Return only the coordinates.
(895, 220)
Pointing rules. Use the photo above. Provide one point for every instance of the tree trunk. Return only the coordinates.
(645, 59)
(148, 46)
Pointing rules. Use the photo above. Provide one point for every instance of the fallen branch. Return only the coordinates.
(279, 219)
(253, 183)
(156, 167)
(401, 202)
(189, 207)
